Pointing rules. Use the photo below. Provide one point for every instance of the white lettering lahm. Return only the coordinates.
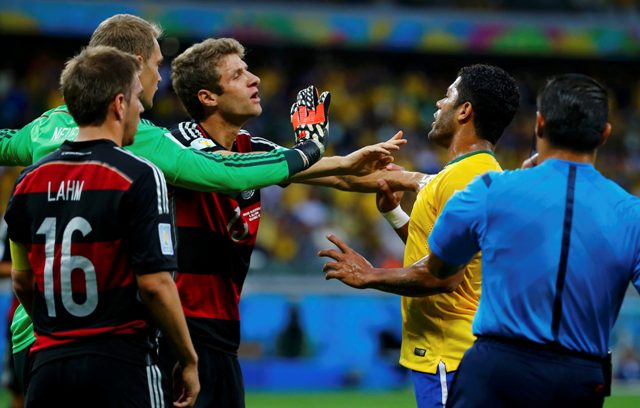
(69, 190)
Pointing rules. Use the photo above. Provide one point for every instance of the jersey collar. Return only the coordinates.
(464, 156)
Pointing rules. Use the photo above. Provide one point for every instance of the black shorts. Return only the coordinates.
(498, 374)
(20, 364)
(221, 384)
(94, 381)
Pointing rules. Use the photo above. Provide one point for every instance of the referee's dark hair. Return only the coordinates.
(494, 96)
(575, 110)
(92, 79)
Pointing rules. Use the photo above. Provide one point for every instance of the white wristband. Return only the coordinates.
(396, 217)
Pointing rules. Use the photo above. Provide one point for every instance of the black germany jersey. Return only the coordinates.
(216, 234)
(92, 216)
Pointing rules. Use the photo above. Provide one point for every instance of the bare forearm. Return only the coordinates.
(160, 295)
(355, 184)
(416, 280)
(327, 166)
(397, 180)
(411, 281)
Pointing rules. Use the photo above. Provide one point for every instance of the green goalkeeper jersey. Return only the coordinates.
(183, 167)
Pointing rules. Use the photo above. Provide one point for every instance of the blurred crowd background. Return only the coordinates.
(376, 90)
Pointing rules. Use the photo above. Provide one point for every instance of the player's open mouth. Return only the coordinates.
(255, 97)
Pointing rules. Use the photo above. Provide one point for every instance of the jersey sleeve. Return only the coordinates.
(149, 227)
(196, 170)
(456, 235)
(15, 145)
(19, 256)
(15, 216)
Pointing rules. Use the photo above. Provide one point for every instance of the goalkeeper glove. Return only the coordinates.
(310, 116)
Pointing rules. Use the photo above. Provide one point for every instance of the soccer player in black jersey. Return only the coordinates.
(216, 231)
(91, 241)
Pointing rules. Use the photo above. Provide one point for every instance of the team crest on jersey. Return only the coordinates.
(247, 194)
(202, 143)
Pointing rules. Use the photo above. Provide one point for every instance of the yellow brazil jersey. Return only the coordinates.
(438, 328)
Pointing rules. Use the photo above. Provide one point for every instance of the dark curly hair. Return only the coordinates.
(494, 96)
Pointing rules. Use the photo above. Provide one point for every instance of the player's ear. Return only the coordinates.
(465, 112)
(207, 98)
(119, 106)
(539, 129)
(605, 134)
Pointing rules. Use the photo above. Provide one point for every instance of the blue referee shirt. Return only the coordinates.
(560, 244)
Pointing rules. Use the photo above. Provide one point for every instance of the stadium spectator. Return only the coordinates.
(221, 95)
(560, 247)
(95, 304)
(436, 330)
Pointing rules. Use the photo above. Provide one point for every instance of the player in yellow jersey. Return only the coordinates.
(436, 329)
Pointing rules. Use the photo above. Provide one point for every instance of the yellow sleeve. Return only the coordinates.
(19, 256)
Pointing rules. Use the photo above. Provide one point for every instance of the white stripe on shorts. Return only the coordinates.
(442, 369)
(154, 380)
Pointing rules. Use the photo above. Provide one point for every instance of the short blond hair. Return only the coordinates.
(127, 33)
(92, 79)
(197, 68)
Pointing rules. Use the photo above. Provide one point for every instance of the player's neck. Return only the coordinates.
(223, 132)
(103, 132)
(567, 155)
(465, 142)
(548, 151)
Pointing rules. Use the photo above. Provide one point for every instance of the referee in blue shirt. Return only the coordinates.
(560, 244)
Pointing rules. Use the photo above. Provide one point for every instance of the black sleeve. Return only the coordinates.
(149, 230)
(17, 225)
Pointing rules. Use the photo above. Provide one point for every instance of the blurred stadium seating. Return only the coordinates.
(386, 63)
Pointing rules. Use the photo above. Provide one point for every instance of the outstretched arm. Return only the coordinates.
(397, 180)
(361, 162)
(197, 170)
(428, 276)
